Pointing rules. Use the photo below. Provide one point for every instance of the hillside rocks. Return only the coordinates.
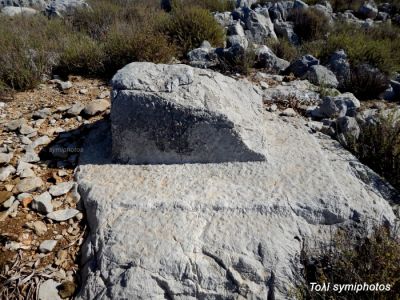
(320, 75)
(51, 8)
(268, 60)
(225, 230)
(163, 114)
(11, 11)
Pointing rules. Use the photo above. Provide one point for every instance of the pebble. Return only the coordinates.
(67, 289)
(61, 188)
(38, 227)
(62, 173)
(273, 108)
(9, 202)
(14, 124)
(63, 215)
(75, 110)
(48, 290)
(5, 172)
(47, 246)
(30, 157)
(95, 107)
(39, 122)
(23, 196)
(4, 196)
(63, 85)
(288, 112)
(26, 129)
(25, 140)
(30, 184)
(5, 158)
(42, 114)
(103, 95)
(22, 166)
(42, 203)
(27, 173)
(43, 140)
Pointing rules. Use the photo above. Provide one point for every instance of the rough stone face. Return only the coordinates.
(320, 75)
(268, 60)
(299, 67)
(340, 66)
(368, 10)
(164, 114)
(29, 184)
(219, 231)
(11, 11)
(95, 107)
(258, 25)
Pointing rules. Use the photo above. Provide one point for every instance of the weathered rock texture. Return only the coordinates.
(230, 230)
(164, 114)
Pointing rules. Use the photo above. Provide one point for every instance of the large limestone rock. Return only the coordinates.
(231, 230)
(164, 114)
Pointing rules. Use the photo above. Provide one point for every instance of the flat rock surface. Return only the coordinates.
(218, 231)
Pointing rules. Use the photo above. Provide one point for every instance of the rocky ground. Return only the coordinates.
(42, 225)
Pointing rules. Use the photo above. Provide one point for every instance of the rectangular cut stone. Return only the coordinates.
(167, 114)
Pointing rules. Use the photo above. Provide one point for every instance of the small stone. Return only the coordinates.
(95, 107)
(14, 124)
(273, 108)
(23, 196)
(62, 173)
(48, 290)
(9, 202)
(25, 140)
(47, 246)
(38, 227)
(30, 157)
(288, 112)
(22, 166)
(30, 184)
(42, 114)
(42, 203)
(103, 95)
(63, 108)
(63, 85)
(79, 216)
(27, 173)
(83, 91)
(5, 172)
(63, 215)
(66, 289)
(43, 140)
(61, 188)
(39, 122)
(26, 129)
(9, 187)
(4, 196)
(5, 158)
(75, 110)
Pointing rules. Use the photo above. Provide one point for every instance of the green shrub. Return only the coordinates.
(190, 26)
(351, 257)
(310, 24)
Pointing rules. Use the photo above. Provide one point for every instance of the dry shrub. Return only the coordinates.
(379, 147)
(310, 24)
(354, 256)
